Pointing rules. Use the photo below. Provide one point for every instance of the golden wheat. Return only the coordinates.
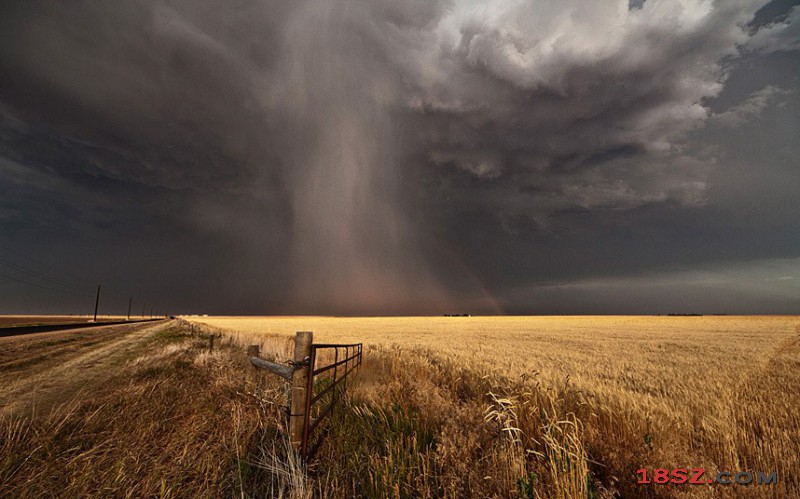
(714, 392)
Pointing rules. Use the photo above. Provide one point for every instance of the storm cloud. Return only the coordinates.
(389, 157)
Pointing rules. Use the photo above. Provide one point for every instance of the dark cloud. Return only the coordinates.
(775, 11)
(393, 157)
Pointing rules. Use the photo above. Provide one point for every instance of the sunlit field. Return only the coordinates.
(715, 392)
(442, 407)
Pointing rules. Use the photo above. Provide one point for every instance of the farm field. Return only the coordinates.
(584, 347)
(445, 407)
(716, 392)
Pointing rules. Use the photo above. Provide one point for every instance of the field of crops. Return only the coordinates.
(717, 392)
(442, 407)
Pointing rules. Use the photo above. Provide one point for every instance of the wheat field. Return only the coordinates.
(442, 407)
(713, 392)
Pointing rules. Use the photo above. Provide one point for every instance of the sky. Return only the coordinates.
(386, 157)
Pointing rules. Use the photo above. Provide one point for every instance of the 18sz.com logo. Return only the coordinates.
(697, 476)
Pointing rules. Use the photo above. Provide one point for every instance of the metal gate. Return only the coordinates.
(326, 374)
(318, 377)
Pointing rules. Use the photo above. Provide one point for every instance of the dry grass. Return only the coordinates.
(556, 406)
(40, 371)
(442, 407)
(174, 420)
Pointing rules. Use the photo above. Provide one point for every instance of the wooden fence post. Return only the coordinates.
(297, 404)
(210, 342)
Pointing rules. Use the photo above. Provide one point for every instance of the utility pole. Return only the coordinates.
(96, 303)
(130, 302)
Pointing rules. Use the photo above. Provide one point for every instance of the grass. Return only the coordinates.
(431, 428)
(578, 404)
(175, 421)
(442, 407)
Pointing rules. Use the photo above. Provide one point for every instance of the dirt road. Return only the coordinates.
(39, 371)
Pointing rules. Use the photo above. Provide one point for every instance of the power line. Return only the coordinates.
(39, 275)
(45, 265)
(10, 278)
(51, 280)
(51, 283)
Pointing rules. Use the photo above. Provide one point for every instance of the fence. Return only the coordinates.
(318, 376)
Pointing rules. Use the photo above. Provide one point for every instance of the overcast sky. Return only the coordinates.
(400, 157)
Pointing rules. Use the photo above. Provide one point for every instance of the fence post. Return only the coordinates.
(253, 351)
(210, 342)
(297, 403)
